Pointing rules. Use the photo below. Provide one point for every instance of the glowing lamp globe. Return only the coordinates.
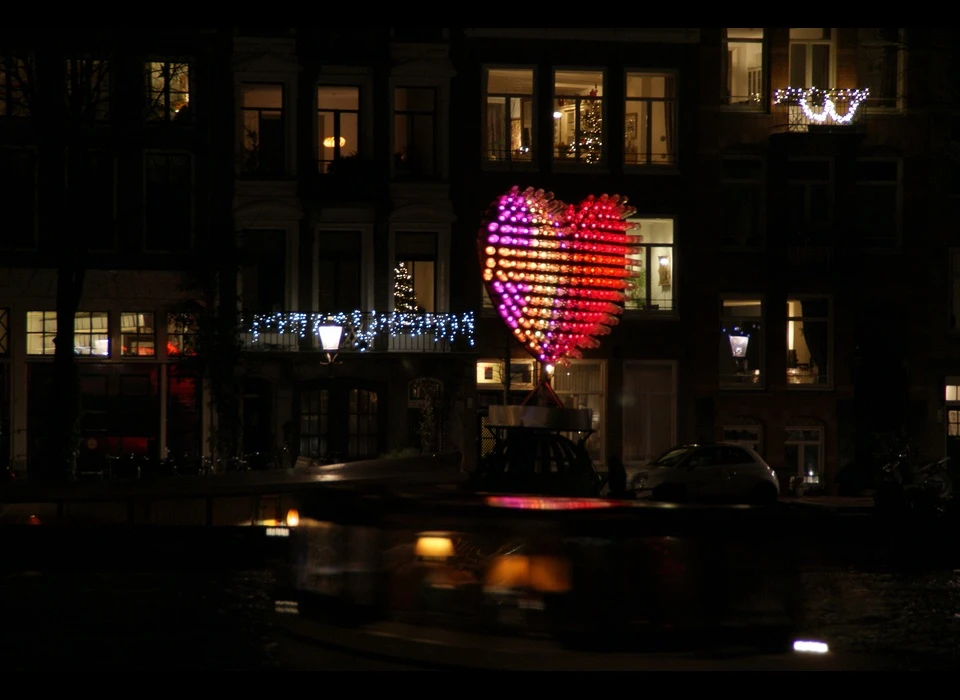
(556, 273)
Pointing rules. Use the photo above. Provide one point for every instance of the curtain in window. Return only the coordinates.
(815, 333)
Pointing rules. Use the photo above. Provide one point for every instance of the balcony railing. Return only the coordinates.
(363, 331)
(814, 109)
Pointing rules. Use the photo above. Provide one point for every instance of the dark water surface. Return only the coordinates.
(225, 621)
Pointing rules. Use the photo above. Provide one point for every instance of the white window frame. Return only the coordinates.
(808, 67)
(803, 446)
(645, 107)
(651, 267)
(360, 77)
(574, 162)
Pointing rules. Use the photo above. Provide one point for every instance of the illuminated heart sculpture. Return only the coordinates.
(556, 272)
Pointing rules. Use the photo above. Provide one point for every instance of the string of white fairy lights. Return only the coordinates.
(819, 105)
(362, 327)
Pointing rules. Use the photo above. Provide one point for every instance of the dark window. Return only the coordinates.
(878, 65)
(87, 90)
(16, 86)
(742, 201)
(415, 148)
(878, 202)
(264, 132)
(339, 270)
(18, 198)
(91, 179)
(168, 205)
(262, 270)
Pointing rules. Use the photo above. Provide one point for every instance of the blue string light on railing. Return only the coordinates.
(362, 327)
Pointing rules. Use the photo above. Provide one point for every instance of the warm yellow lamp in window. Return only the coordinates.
(434, 547)
(330, 141)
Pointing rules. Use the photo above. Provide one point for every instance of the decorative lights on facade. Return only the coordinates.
(365, 326)
(819, 105)
(556, 272)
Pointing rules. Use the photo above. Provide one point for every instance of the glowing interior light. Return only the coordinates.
(810, 647)
(331, 140)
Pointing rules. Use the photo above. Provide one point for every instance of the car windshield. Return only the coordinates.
(672, 456)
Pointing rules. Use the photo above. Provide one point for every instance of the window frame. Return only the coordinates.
(158, 106)
(757, 105)
(336, 116)
(757, 444)
(191, 233)
(441, 273)
(899, 99)
(732, 182)
(803, 444)
(671, 123)
(600, 455)
(114, 168)
(365, 231)
(16, 70)
(647, 248)
(138, 335)
(285, 119)
(182, 326)
(674, 400)
(830, 357)
(731, 321)
(812, 231)
(51, 315)
(577, 161)
(103, 109)
(33, 239)
(898, 188)
(509, 162)
(397, 172)
(831, 43)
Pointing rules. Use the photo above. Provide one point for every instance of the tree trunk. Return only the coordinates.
(64, 430)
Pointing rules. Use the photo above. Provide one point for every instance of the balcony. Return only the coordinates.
(363, 331)
(811, 110)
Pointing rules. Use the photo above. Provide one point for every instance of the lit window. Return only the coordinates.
(181, 335)
(41, 331)
(91, 333)
(650, 120)
(581, 385)
(651, 267)
(808, 341)
(264, 133)
(953, 423)
(578, 117)
(508, 120)
(168, 90)
(744, 83)
(137, 335)
(415, 272)
(414, 132)
(803, 453)
(88, 90)
(741, 350)
(338, 117)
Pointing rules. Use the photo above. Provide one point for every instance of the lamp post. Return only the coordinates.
(330, 336)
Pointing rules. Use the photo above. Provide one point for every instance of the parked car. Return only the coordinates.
(703, 472)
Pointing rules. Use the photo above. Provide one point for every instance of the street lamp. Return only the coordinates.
(330, 336)
(738, 348)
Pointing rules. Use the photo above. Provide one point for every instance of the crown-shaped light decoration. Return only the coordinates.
(820, 105)
(556, 272)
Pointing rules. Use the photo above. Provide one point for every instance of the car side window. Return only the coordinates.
(734, 455)
(703, 457)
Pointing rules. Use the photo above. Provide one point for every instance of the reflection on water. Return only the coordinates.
(910, 619)
(225, 620)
